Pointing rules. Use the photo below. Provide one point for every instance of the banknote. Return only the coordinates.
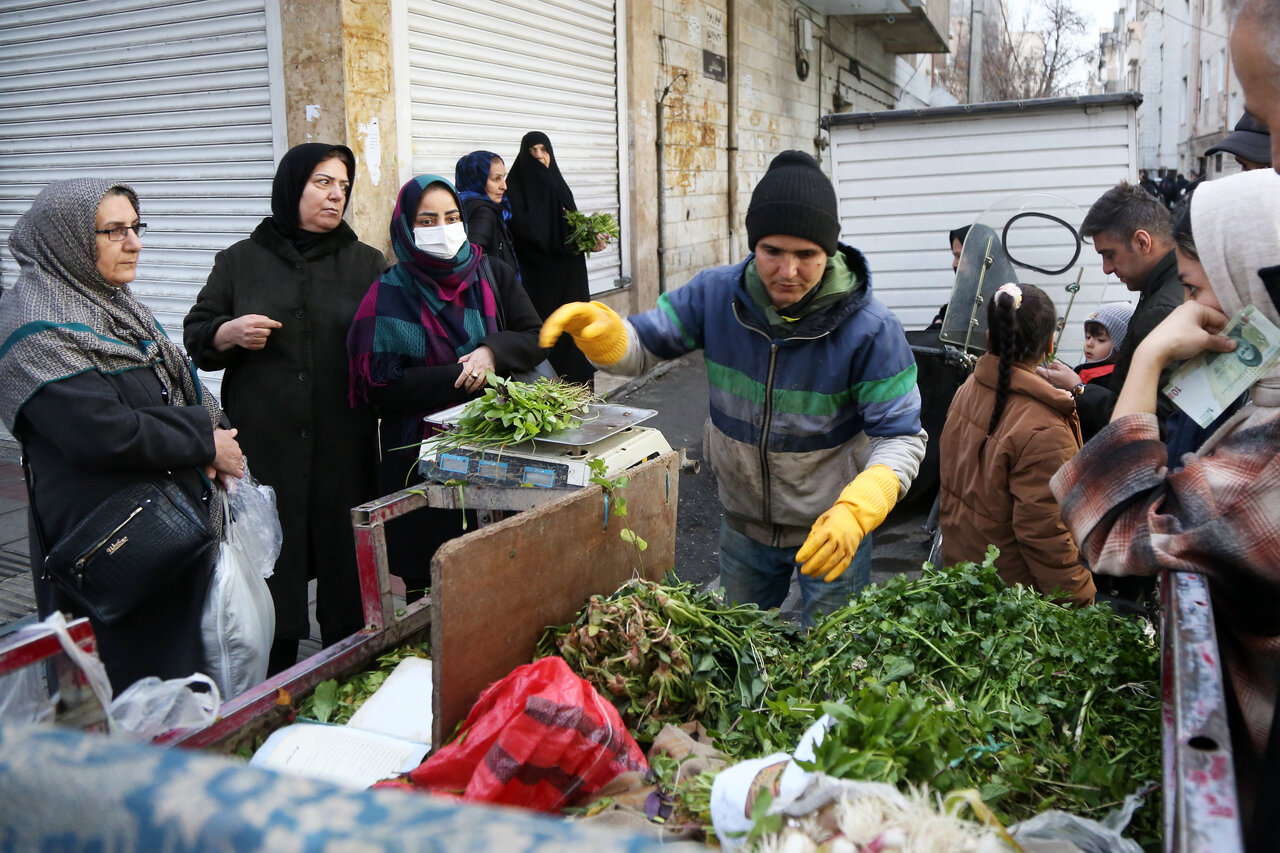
(1206, 385)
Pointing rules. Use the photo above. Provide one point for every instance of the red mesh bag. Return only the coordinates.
(541, 738)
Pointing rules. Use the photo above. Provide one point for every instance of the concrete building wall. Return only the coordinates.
(339, 89)
(706, 189)
(339, 86)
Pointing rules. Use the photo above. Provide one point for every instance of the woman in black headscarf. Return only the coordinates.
(274, 314)
(553, 271)
(481, 181)
(100, 399)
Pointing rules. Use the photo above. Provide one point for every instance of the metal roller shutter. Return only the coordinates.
(173, 98)
(482, 74)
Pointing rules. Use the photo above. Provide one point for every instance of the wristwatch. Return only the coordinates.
(1078, 390)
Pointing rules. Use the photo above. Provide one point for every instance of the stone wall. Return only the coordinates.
(339, 88)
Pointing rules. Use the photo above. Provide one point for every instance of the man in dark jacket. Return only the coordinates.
(1133, 233)
(815, 416)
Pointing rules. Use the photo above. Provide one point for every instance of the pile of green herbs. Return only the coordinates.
(510, 412)
(334, 701)
(584, 229)
(953, 680)
(667, 653)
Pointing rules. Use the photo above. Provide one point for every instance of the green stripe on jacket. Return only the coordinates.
(736, 382)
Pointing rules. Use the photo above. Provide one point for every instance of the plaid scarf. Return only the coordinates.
(421, 312)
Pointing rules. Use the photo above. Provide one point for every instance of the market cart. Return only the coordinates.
(494, 589)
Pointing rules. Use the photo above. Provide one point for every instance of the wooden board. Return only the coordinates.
(494, 591)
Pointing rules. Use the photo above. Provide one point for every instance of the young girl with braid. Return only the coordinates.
(1007, 432)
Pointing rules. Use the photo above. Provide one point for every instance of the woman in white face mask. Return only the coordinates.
(424, 338)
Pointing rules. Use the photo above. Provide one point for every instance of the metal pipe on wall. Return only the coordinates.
(975, 53)
(731, 131)
(662, 196)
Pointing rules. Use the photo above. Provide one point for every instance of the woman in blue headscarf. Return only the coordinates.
(481, 180)
(423, 339)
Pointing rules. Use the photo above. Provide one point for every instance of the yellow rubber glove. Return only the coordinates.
(860, 509)
(595, 328)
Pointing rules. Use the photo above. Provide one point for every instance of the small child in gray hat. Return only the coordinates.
(1104, 332)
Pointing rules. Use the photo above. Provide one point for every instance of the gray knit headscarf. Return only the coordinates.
(62, 317)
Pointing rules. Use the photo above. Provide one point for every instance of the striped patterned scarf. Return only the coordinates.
(421, 312)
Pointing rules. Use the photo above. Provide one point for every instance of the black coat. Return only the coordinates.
(486, 229)
(86, 437)
(412, 541)
(289, 401)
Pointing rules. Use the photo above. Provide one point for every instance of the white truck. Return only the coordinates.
(905, 178)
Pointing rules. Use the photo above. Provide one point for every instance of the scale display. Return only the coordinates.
(543, 463)
(507, 469)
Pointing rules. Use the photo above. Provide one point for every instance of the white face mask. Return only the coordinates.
(441, 241)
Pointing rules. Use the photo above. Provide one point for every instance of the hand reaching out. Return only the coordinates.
(249, 331)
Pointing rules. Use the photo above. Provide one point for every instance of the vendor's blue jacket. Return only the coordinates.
(793, 419)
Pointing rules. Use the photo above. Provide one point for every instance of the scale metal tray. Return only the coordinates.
(600, 422)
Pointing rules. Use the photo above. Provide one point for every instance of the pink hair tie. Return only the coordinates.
(1014, 291)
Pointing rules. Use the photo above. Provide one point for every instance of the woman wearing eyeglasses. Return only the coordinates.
(274, 315)
(100, 398)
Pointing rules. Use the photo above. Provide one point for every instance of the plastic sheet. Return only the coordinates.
(24, 697)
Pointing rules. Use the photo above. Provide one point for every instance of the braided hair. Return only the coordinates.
(1020, 324)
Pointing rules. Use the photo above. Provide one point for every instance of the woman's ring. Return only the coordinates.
(475, 374)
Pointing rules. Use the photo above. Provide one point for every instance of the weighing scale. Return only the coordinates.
(558, 460)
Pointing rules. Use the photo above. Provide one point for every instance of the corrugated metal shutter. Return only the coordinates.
(173, 98)
(903, 185)
(484, 73)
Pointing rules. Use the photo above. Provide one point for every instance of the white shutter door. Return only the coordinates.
(172, 98)
(484, 73)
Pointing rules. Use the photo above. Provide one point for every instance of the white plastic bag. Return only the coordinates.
(150, 707)
(24, 697)
(239, 619)
(259, 536)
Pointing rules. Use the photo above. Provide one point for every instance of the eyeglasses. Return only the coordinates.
(117, 234)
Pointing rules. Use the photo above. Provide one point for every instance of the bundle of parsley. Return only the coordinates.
(953, 680)
(958, 681)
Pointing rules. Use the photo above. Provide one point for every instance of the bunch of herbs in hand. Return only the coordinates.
(585, 230)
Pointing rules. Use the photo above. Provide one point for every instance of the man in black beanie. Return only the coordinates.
(815, 416)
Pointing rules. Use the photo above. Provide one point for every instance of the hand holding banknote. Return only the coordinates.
(1226, 356)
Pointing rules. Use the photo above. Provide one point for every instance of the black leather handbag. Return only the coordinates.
(129, 547)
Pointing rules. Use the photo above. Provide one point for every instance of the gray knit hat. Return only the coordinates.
(1114, 317)
(795, 198)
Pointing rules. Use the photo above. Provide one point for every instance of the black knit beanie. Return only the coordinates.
(794, 198)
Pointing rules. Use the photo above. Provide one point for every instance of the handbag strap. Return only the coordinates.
(488, 276)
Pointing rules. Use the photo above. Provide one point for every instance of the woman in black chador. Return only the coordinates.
(553, 271)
